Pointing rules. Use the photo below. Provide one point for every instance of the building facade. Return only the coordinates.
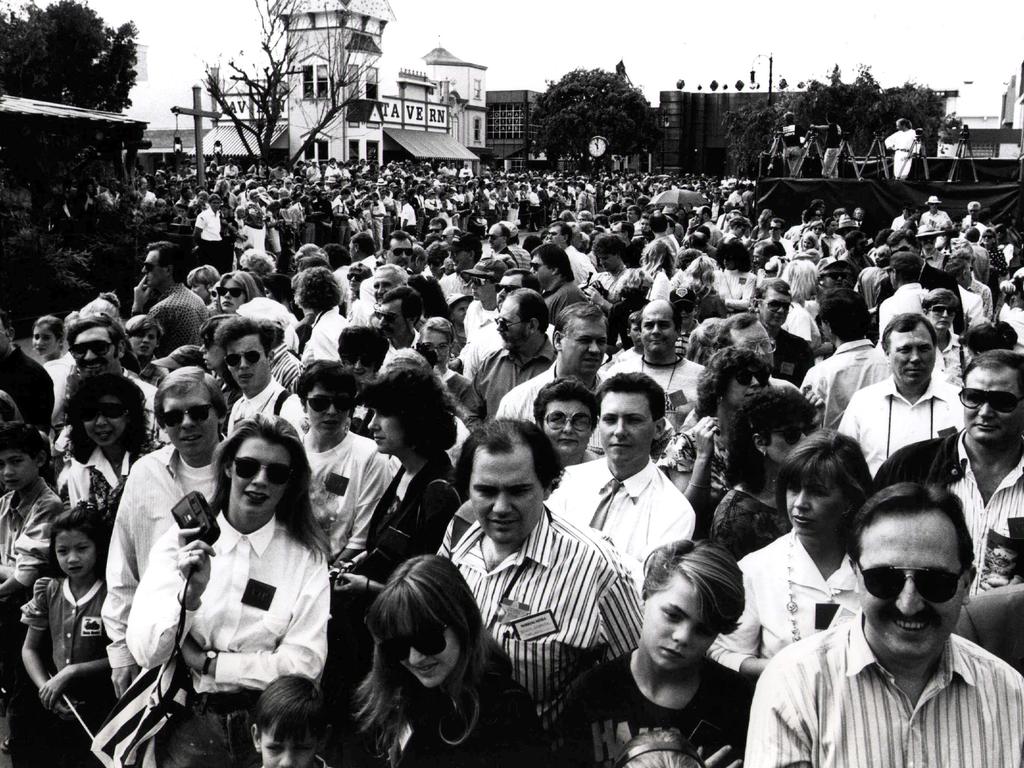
(511, 134)
(464, 86)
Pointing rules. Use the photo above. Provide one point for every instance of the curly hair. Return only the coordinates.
(317, 289)
(718, 374)
(422, 406)
(566, 389)
(136, 435)
(770, 409)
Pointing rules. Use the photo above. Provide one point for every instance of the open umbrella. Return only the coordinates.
(681, 198)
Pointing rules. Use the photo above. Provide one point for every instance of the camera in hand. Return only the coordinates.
(193, 511)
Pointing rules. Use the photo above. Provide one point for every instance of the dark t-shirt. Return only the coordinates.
(606, 709)
(793, 358)
(792, 134)
(29, 385)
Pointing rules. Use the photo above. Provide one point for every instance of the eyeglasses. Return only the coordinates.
(746, 376)
(232, 292)
(1004, 402)
(792, 435)
(382, 314)
(535, 266)
(353, 276)
(197, 413)
(429, 642)
(580, 422)
(402, 251)
(277, 474)
(778, 306)
(148, 266)
(765, 345)
(235, 359)
(107, 410)
(503, 325)
(98, 348)
(321, 403)
(941, 309)
(423, 346)
(886, 582)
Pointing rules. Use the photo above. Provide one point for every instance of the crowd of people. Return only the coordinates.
(517, 470)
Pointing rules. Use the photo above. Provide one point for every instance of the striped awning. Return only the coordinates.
(231, 142)
(428, 146)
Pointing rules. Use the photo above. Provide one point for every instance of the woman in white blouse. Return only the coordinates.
(803, 581)
(735, 283)
(256, 601)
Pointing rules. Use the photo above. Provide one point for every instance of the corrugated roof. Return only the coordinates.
(423, 145)
(19, 105)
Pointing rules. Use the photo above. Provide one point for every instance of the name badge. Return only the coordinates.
(675, 399)
(535, 627)
(92, 626)
(258, 595)
(336, 484)
(510, 611)
(824, 613)
(787, 369)
(743, 281)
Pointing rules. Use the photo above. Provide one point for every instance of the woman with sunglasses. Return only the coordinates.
(107, 417)
(234, 290)
(440, 691)
(764, 431)
(802, 582)
(257, 597)
(940, 307)
(695, 460)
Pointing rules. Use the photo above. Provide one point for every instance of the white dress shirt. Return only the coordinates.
(263, 403)
(477, 319)
(157, 481)
(855, 365)
(208, 224)
(766, 626)
(323, 341)
(343, 504)
(883, 421)
(78, 478)
(255, 645)
(645, 511)
(907, 298)
(582, 266)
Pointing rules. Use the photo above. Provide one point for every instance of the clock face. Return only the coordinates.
(598, 145)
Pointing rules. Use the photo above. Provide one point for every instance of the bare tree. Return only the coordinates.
(344, 55)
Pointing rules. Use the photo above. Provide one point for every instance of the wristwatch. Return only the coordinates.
(210, 656)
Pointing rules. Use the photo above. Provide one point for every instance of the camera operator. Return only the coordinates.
(901, 142)
(793, 139)
(256, 600)
(833, 134)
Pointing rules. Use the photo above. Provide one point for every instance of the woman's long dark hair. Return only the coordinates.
(294, 511)
(424, 591)
(136, 435)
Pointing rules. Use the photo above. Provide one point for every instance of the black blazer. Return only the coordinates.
(995, 621)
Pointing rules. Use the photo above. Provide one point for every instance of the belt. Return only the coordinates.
(223, 703)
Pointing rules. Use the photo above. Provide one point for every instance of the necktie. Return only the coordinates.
(605, 504)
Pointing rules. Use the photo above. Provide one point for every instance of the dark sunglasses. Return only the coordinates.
(109, 410)
(148, 267)
(235, 359)
(277, 474)
(197, 413)
(321, 403)
(401, 251)
(886, 582)
(353, 360)
(430, 642)
(1004, 402)
(792, 435)
(98, 348)
(778, 306)
(232, 292)
(942, 309)
(745, 377)
(353, 276)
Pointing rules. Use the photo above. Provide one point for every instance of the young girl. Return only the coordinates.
(64, 614)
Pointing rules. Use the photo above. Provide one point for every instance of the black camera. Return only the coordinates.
(194, 512)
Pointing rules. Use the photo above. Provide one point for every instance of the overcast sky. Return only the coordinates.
(528, 42)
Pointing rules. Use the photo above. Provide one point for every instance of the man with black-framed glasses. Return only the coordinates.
(982, 465)
(818, 701)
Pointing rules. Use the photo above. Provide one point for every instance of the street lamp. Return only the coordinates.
(753, 72)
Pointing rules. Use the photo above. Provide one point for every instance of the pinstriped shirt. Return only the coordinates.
(574, 574)
(826, 702)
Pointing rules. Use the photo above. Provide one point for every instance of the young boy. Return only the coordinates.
(27, 509)
(290, 724)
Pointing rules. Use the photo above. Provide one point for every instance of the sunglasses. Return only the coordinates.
(778, 306)
(98, 348)
(941, 309)
(235, 359)
(1004, 402)
(580, 422)
(353, 276)
(321, 403)
(197, 413)
(148, 266)
(108, 410)
(429, 642)
(503, 325)
(886, 582)
(232, 292)
(401, 251)
(745, 377)
(277, 474)
(353, 360)
(792, 435)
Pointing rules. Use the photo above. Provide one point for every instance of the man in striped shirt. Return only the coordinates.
(982, 465)
(893, 687)
(557, 598)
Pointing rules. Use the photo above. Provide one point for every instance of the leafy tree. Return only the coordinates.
(862, 107)
(65, 53)
(267, 82)
(588, 103)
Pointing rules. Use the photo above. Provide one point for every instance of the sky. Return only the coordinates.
(526, 43)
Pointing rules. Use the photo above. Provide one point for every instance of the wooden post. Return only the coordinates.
(198, 113)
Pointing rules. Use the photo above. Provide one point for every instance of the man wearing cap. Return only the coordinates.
(484, 279)
(466, 251)
(933, 218)
(835, 275)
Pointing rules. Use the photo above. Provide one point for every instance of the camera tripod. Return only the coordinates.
(810, 141)
(777, 152)
(963, 149)
(875, 152)
(917, 150)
